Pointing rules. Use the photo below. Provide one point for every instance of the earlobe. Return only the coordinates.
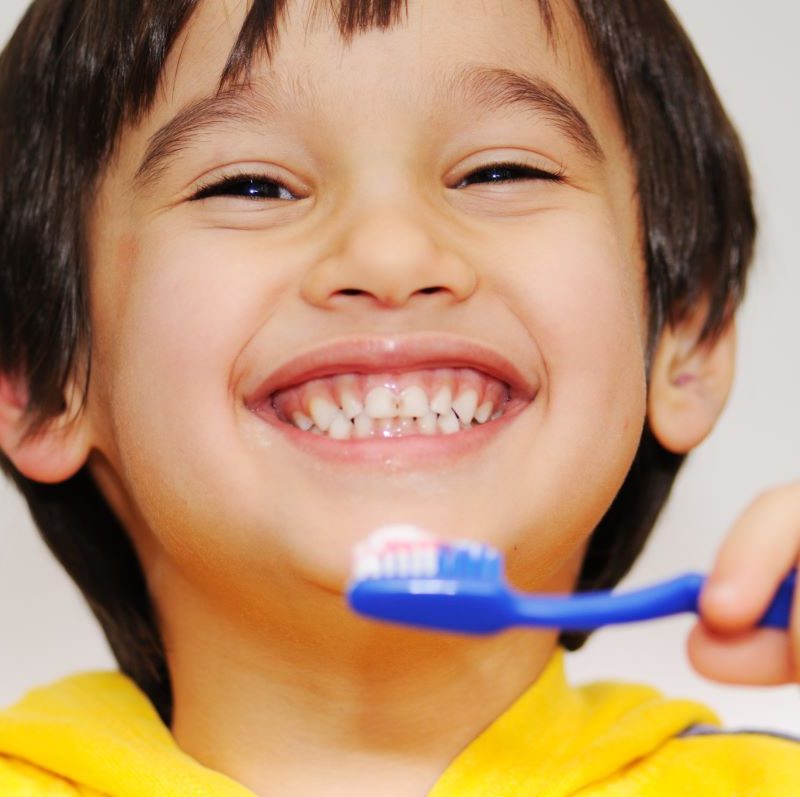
(56, 451)
(690, 382)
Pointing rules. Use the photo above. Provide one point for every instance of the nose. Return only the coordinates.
(386, 257)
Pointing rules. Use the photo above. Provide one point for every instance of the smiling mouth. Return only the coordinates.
(427, 402)
(419, 399)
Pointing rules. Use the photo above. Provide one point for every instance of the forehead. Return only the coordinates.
(423, 54)
(295, 27)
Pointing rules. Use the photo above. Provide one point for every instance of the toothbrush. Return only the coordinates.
(403, 575)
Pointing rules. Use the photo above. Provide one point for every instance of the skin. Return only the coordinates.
(193, 302)
(761, 549)
(275, 682)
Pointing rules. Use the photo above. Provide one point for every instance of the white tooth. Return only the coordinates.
(381, 403)
(405, 426)
(363, 425)
(385, 426)
(323, 412)
(465, 406)
(483, 412)
(497, 415)
(351, 406)
(302, 421)
(340, 428)
(413, 403)
(449, 424)
(427, 423)
(442, 401)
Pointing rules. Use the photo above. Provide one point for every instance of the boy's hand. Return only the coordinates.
(760, 551)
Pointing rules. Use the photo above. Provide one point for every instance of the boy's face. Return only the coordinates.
(376, 224)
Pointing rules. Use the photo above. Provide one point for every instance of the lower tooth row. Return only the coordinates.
(363, 426)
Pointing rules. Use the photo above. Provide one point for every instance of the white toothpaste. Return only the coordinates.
(396, 550)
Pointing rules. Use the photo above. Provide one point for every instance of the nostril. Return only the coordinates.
(358, 292)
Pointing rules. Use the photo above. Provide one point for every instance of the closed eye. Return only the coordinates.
(245, 186)
(261, 187)
(508, 173)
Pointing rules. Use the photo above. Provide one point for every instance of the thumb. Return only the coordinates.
(758, 657)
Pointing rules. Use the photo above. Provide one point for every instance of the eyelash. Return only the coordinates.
(225, 185)
(530, 172)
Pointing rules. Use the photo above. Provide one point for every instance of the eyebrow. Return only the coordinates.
(495, 89)
(228, 108)
(487, 88)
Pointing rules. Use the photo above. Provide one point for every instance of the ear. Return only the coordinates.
(56, 451)
(690, 381)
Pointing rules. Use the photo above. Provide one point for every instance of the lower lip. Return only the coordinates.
(418, 451)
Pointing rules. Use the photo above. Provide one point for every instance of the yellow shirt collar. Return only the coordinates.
(100, 730)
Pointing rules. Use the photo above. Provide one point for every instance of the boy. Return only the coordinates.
(223, 229)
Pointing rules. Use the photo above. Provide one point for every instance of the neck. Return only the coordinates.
(337, 704)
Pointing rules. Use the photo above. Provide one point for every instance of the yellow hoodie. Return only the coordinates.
(97, 734)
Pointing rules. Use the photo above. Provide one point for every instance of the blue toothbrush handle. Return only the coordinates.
(587, 611)
(778, 615)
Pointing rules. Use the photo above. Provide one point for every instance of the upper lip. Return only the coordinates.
(397, 353)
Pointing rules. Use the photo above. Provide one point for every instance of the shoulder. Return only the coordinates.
(714, 763)
(751, 756)
(20, 779)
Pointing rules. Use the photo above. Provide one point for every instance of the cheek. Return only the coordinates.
(167, 350)
(594, 328)
(180, 308)
(578, 293)
(173, 326)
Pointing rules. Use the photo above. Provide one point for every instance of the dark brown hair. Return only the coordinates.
(76, 71)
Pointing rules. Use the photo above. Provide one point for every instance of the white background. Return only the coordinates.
(752, 55)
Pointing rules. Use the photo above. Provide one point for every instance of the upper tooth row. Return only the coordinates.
(412, 402)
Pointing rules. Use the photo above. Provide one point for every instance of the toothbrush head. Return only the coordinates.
(404, 575)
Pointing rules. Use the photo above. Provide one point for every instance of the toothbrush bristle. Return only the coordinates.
(390, 549)
(404, 576)
(465, 560)
(425, 558)
(397, 560)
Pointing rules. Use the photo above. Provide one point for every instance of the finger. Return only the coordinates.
(760, 550)
(757, 658)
